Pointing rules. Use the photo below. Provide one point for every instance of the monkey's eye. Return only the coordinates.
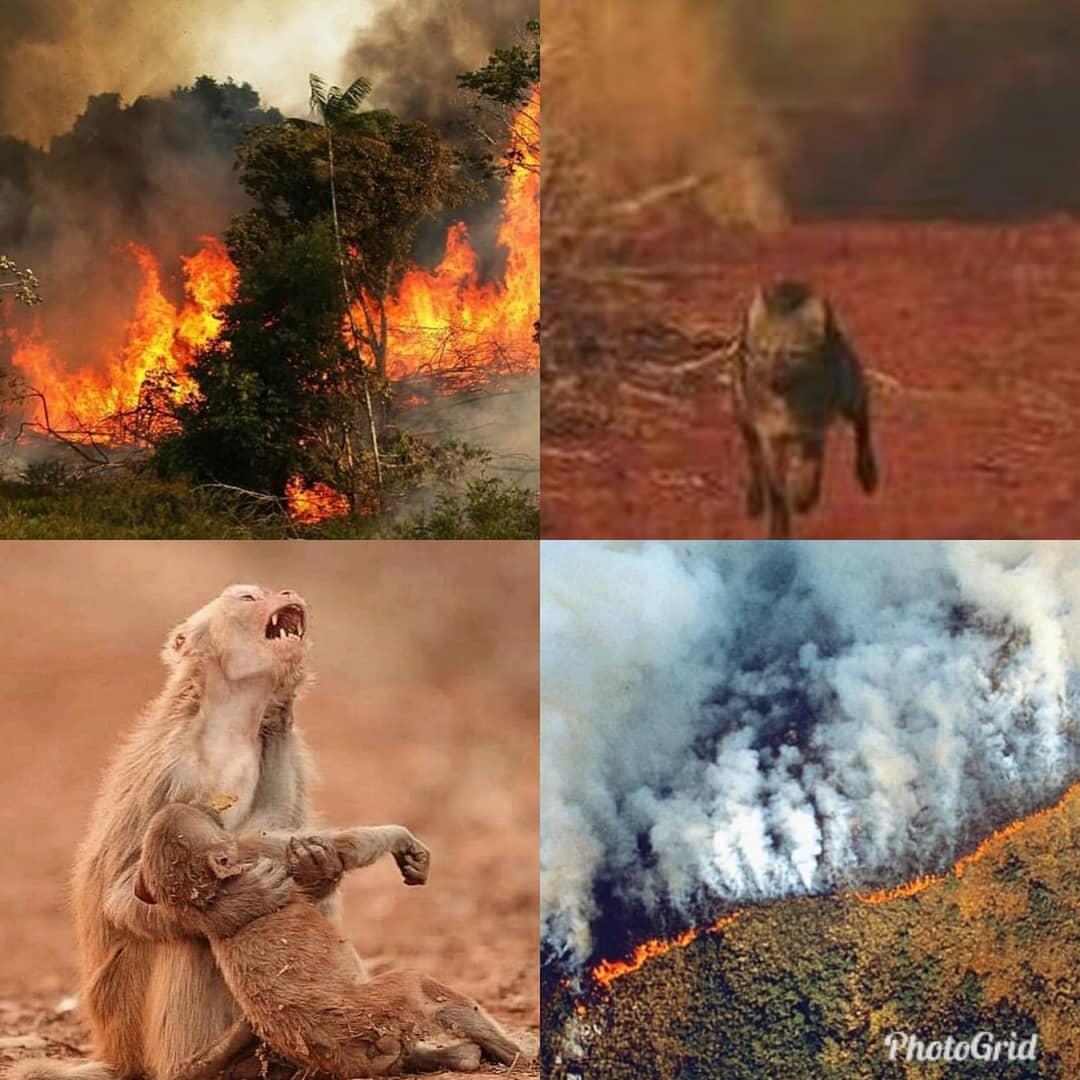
(248, 596)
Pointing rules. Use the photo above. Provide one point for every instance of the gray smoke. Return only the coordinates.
(413, 51)
(724, 723)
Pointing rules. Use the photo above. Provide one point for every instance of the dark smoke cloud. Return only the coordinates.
(920, 107)
(158, 172)
(414, 50)
(913, 108)
(54, 54)
(730, 723)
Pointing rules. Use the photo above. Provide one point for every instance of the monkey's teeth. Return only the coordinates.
(273, 619)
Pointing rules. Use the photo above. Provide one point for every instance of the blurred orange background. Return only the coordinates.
(424, 712)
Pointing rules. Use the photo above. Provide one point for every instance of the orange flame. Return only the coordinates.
(446, 321)
(161, 338)
(607, 971)
(312, 504)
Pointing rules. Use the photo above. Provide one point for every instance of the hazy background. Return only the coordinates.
(900, 107)
(424, 712)
(55, 53)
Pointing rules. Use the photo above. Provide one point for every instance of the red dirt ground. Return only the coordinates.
(424, 712)
(972, 333)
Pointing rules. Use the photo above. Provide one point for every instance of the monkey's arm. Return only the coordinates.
(156, 922)
(317, 860)
(361, 846)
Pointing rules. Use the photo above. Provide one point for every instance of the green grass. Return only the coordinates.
(132, 505)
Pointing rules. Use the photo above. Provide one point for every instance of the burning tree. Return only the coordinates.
(332, 313)
(506, 101)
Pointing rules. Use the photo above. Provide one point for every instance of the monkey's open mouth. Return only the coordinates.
(287, 621)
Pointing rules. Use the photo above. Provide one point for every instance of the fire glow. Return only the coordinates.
(160, 338)
(607, 971)
(447, 322)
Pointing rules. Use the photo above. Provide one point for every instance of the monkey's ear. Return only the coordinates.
(191, 637)
(141, 891)
(222, 865)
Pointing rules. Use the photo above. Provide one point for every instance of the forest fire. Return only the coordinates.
(160, 339)
(607, 971)
(447, 321)
(312, 504)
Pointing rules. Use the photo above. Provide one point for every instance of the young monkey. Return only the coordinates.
(290, 971)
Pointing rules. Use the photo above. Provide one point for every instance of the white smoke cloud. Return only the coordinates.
(730, 722)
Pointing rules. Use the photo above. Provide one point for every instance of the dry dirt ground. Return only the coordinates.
(424, 713)
(972, 332)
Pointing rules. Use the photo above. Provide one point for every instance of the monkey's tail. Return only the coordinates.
(54, 1069)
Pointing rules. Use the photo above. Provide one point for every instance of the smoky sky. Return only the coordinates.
(905, 108)
(920, 107)
(54, 54)
(724, 724)
(413, 52)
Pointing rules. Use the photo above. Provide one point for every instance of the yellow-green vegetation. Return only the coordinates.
(135, 505)
(809, 988)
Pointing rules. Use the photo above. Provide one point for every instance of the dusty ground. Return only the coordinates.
(973, 332)
(424, 713)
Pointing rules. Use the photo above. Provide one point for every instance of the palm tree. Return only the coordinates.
(333, 106)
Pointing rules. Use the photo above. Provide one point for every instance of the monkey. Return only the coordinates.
(284, 961)
(221, 729)
(795, 374)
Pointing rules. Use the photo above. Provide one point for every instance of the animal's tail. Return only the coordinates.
(57, 1069)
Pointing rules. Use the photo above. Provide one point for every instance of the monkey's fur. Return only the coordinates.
(151, 992)
(286, 967)
(795, 373)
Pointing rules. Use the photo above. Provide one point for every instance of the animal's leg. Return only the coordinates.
(188, 1010)
(756, 484)
(854, 402)
(213, 1061)
(459, 1057)
(465, 1017)
(865, 463)
(776, 474)
(453, 1012)
(806, 473)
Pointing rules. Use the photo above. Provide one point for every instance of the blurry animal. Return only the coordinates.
(795, 373)
(220, 731)
(287, 966)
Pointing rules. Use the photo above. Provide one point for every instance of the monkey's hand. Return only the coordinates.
(314, 864)
(412, 857)
(263, 887)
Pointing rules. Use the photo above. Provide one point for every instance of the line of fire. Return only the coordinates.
(606, 972)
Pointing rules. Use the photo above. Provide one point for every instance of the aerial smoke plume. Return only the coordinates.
(730, 723)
